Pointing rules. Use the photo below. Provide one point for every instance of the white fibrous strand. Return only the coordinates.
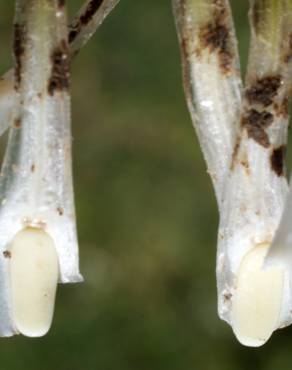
(37, 215)
(243, 134)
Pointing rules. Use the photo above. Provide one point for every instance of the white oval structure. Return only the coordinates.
(34, 273)
(257, 299)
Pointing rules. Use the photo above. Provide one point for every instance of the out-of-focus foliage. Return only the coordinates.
(147, 216)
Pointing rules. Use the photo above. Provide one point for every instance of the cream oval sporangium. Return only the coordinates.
(34, 271)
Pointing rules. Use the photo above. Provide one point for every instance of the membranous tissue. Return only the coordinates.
(242, 131)
(38, 241)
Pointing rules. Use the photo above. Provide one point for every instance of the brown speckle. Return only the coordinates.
(18, 49)
(90, 10)
(60, 211)
(288, 56)
(277, 160)
(227, 297)
(216, 36)
(264, 90)
(59, 80)
(245, 165)
(7, 254)
(282, 109)
(61, 3)
(17, 123)
(235, 153)
(84, 19)
(32, 168)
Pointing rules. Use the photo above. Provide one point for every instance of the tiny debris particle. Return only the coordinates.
(60, 211)
(245, 164)
(17, 123)
(18, 49)
(227, 297)
(264, 90)
(235, 153)
(277, 160)
(7, 254)
(59, 79)
(32, 168)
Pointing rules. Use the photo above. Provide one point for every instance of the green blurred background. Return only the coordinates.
(147, 215)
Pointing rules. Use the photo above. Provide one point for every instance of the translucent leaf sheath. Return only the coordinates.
(84, 25)
(243, 140)
(256, 187)
(211, 79)
(281, 249)
(36, 178)
(87, 20)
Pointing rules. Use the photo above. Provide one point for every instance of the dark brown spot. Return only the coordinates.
(60, 211)
(32, 168)
(216, 36)
(40, 95)
(17, 123)
(235, 153)
(73, 33)
(18, 49)
(59, 80)
(7, 254)
(259, 135)
(90, 10)
(277, 160)
(255, 123)
(245, 164)
(84, 19)
(61, 3)
(263, 119)
(227, 297)
(264, 90)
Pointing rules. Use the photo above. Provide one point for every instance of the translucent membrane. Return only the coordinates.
(280, 252)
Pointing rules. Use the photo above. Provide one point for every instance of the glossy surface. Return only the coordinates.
(34, 275)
